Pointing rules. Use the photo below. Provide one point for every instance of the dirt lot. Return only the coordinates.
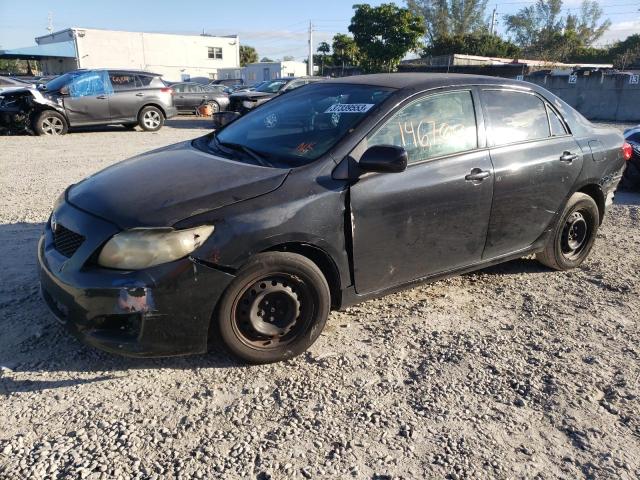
(512, 372)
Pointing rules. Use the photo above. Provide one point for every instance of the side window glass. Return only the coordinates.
(91, 83)
(514, 117)
(144, 80)
(192, 89)
(178, 88)
(121, 81)
(432, 126)
(557, 127)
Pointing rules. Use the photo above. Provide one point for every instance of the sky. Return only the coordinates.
(275, 28)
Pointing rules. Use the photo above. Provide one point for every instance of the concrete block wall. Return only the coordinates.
(597, 96)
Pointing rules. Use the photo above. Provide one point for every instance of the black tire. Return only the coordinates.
(573, 236)
(50, 122)
(288, 286)
(150, 119)
(215, 106)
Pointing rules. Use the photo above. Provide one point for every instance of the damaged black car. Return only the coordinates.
(335, 193)
(88, 98)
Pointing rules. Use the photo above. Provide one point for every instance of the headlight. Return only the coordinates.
(248, 104)
(145, 247)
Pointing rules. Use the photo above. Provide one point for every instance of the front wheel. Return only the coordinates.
(50, 123)
(275, 308)
(574, 235)
(151, 119)
(215, 106)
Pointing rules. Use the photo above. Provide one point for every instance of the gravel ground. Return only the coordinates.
(511, 372)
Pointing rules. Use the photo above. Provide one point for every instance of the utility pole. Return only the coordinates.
(310, 48)
(493, 20)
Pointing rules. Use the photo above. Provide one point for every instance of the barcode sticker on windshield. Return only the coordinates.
(349, 108)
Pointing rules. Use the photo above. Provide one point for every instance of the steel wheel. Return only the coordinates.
(52, 126)
(574, 235)
(151, 119)
(272, 311)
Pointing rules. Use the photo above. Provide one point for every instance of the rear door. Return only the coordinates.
(126, 96)
(536, 161)
(432, 217)
(87, 102)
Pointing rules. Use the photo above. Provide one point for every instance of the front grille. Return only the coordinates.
(66, 241)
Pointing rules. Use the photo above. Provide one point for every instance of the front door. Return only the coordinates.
(87, 102)
(432, 217)
(536, 164)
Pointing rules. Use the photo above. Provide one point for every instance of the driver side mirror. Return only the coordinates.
(221, 119)
(384, 158)
(64, 90)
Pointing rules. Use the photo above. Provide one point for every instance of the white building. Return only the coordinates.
(259, 71)
(176, 57)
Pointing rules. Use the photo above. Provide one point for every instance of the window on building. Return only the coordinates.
(215, 53)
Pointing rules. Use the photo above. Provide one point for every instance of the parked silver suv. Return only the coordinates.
(92, 97)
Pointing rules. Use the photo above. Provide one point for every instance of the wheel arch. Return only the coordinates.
(322, 260)
(151, 104)
(594, 191)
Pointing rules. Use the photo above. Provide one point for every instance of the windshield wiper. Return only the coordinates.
(258, 157)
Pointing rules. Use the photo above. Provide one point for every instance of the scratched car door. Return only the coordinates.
(433, 216)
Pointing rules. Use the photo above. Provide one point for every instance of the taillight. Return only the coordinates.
(167, 90)
(627, 151)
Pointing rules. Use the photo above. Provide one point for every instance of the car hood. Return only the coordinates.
(162, 187)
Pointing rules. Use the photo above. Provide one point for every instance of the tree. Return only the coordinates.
(324, 49)
(385, 34)
(447, 18)
(247, 55)
(626, 52)
(481, 43)
(345, 50)
(288, 58)
(266, 60)
(542, 32)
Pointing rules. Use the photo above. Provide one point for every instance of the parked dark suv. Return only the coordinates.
(92, 97)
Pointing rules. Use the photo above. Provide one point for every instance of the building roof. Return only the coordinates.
(133, 31)
(421, 80)
(37, 52)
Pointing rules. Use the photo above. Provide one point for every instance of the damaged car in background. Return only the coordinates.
(335, 193)
(88, 98)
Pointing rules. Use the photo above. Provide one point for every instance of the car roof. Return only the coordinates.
(422, 80)
(119, 70)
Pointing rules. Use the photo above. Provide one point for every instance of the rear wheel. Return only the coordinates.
(275, 308)
(574, 235)
(50, 123)
(215, 106)
(150, 119)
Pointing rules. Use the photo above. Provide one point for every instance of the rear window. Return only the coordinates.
(514, 117)
(145, 80)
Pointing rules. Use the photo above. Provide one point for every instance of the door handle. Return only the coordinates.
(101, 97)
(477, 175)
(139, 94)
(568, 157)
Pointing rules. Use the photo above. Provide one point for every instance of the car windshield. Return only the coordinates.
(301, 126)
(59, 82)
(271, 87)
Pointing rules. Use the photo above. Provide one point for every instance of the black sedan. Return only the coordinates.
(335, 193)
(190, 95)
(245, 100)
(631, 179)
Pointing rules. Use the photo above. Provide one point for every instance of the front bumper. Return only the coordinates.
(161, 311)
